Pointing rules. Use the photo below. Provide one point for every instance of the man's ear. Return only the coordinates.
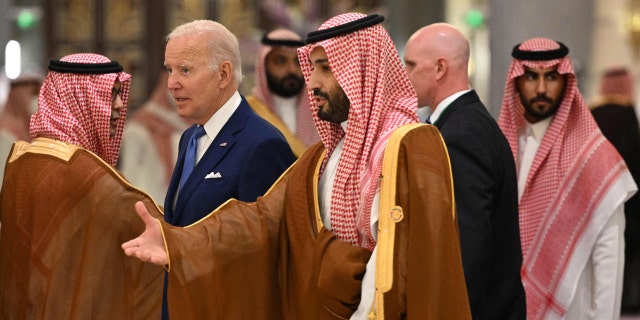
(441, 68)
(225, 72)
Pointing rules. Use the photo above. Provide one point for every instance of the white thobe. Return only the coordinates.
(325, 187)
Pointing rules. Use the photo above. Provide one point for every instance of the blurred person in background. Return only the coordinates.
(279, 94)
(22, 102)
(150, 142)
(613, 110)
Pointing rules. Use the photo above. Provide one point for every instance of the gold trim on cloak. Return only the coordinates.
(390, 215)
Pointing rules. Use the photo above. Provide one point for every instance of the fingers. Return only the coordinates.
(159, 260)
(149, 246)
(135, 249)
(147, 255)
(130, 244)
(142, 211)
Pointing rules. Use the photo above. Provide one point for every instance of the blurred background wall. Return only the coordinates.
(599, 33)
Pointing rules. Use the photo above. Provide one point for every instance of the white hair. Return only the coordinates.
(223, 45)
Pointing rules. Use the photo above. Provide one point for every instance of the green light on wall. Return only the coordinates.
(474, 19)
(26, 19)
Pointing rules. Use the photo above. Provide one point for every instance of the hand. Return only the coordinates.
(149, 246)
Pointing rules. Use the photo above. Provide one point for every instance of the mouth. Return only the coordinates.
(540, 103)
(319, 101)
(115, 116)
(178, 99)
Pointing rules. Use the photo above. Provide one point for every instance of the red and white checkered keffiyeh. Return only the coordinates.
(76, 108)
(562, 208)
(305, 129)
(368, 68)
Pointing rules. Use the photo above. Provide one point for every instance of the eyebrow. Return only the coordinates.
(319, 61)
(181, 65)
(544, 74)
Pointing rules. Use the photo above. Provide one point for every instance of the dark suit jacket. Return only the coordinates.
(619, 124)
(486, 192)
(248, 153)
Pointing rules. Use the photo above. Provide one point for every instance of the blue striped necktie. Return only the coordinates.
(190, 155)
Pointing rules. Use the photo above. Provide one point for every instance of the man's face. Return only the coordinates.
(284, 75)
(116, 107)
(331, 100)
(194, 84)
(421, 69)
(541, 92)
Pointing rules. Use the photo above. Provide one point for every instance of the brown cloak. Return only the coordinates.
(65, 212)
(272, 259)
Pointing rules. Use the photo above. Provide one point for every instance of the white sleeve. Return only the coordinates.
(608, 266)
(368, 292)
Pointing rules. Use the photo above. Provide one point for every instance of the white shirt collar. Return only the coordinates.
(423, 113)
(220, 118)
(539, 128)
(444, 104)
(213, 126)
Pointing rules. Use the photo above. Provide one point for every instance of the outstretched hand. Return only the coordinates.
(149, 246)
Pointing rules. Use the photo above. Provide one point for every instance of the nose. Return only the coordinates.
(172, 82)
(541, 85)
(118, 103)
(294, 68)
(313, 82)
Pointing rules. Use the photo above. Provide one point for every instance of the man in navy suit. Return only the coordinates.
(238, 154)
(484, 174)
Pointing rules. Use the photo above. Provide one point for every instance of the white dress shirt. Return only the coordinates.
(213, 126)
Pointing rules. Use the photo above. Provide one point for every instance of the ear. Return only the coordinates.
(225, 72)
(441, 68)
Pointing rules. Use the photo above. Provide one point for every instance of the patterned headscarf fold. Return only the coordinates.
(368, 68)
(573, 169)
(305, 129)
(75, 107)
(618, 81)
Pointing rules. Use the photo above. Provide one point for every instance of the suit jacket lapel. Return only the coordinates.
(175, 177)
(469, 97)
(221, 144)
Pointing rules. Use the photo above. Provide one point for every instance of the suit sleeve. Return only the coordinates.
(263, 167)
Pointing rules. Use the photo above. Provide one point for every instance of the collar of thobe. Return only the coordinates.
(343, 124)
(325, 186)
(534, 130)
(213, 126)
(538, 129)
(287, 109)
(444, 104)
